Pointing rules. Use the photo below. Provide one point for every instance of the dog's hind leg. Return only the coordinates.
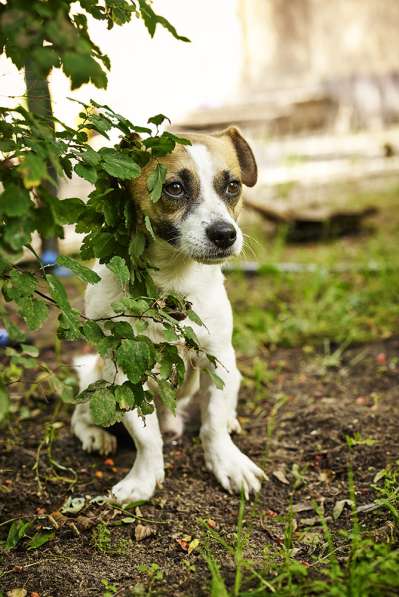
(148, 468)
(186, 406)
(93, 438)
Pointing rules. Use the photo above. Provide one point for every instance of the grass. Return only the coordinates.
(349, 554)
(324, 311)
(291, 309)
(346, 564)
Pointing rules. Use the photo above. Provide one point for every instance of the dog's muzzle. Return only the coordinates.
(222, 234)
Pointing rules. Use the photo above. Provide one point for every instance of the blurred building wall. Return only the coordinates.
(295, 41)
(349, 48)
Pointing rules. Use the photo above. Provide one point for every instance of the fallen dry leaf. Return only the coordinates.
(20, 592)
(339, 508)
(73, 505)
(301, 507)
(99, 474)
(84, 522)
(141, 532)
(211, 523)
(280, 476)
(183, 544)
(109, 462)
(193, 545)
(57, 519)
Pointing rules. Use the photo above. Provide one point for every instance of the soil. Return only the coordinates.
(295, 426)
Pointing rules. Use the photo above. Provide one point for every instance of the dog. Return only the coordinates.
(196, 231)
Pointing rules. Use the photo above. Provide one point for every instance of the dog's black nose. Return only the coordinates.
(222, 234)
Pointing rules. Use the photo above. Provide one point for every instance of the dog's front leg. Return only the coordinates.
(148, 468)
(231, 467)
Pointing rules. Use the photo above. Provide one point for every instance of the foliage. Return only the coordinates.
(36, 149)
(55, 34)
(353, 566)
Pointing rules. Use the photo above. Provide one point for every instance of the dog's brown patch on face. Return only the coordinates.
(169, 211)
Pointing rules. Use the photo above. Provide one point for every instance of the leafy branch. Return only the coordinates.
(37, 149)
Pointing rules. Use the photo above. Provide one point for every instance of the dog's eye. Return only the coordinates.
(174, 189)
(233, 188)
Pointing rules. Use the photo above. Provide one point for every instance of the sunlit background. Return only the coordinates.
(313, 85)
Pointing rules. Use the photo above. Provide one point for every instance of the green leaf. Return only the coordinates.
(91, 389)
(120, 329)
(34, 312)
(128, 395)
(137, 245)
(118, 164)
(170, 334)
(33, 170)
(194, 317)
(87, 172)
(155, 182)
(93, 331)
(118, 266)
(17, 531)
(158, 119)
(82, 68)
(68, 315)
(18, 233)
(67, 211)
(32, 351)
(190, 336)
(58, 292)
(15, 200)
(172, 366)
(22, 284)
(84, 273)
(151, 19)
(148, 225)
(4, 402)
(104, 245)
(90, 156)
(136, 357)
(103, 408)
(40, 539)
(167, 394)
(218, 381)
(128, 304)
(46, 58)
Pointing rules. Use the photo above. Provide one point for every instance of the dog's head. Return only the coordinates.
(202, 195)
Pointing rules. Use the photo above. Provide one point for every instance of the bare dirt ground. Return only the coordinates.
(295, 425)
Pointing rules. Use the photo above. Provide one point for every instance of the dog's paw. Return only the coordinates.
(134, 488)
(96, 439)
(234, 470)
(172, 425)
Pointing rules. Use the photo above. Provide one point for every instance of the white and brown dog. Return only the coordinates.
(195, 220)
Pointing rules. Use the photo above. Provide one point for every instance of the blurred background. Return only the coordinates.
(313, 85)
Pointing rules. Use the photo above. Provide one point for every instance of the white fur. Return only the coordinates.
(211, 208)
(203, 285)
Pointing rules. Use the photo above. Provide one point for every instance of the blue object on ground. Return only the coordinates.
(49, 258)
(4, 337)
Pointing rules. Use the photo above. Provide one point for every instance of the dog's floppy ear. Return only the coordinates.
(246, 158)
